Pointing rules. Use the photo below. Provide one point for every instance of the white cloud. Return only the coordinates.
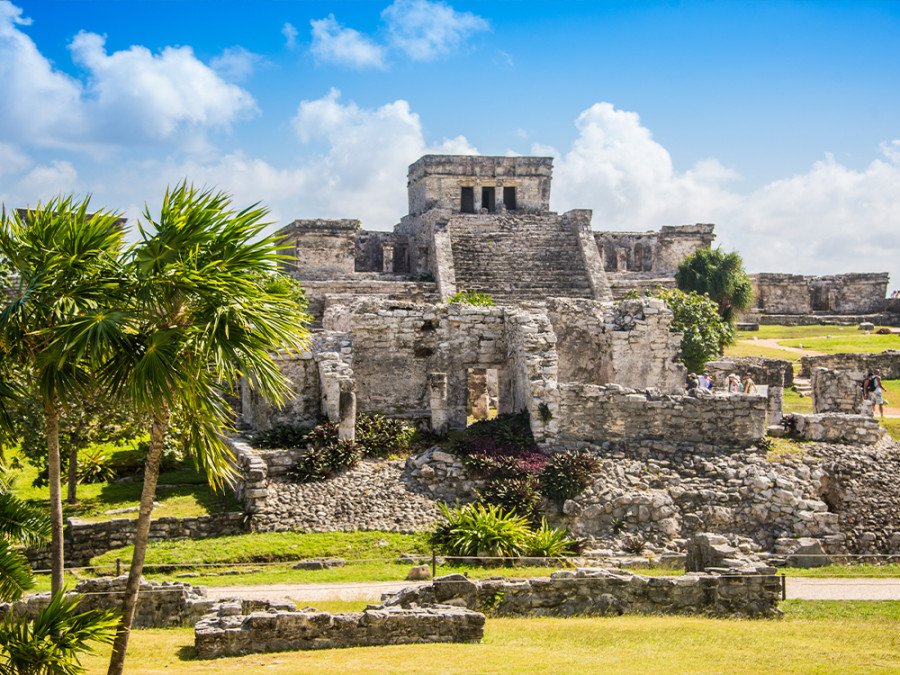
(131, 95)
(333, 43)
(829, 220)
(12, 159)
(425, 30)
(45, 182)
(236, 63)
(290, 35)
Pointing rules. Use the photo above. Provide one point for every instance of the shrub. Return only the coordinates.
(546, 542)
(95, 466)
(509, 430)
(282, 437)
(704, 331)
(634, 545)
(567, 474)
(499, 464)
(323, 461)
(476, 530)
(519, 495)
(473, 298)
(381, 436)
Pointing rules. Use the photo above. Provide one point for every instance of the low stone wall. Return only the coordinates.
(839, 391)
(601, 592)
(774, 374)
(83, 539)
(230, 633)
(888, 362)
(590, 414)
(836, 428)
(160, 605)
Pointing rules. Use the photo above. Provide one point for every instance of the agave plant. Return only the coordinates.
(549, 542)
(479, 530)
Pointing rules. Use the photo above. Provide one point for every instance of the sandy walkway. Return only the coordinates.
(773, 343)
(797, 589)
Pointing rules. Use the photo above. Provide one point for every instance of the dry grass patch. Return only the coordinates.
(649, 645)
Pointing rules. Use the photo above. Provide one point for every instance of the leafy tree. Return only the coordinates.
(89, 419)
(206, 309)
(696, 317)
(721, 276)
(67, 260)
(23, 525)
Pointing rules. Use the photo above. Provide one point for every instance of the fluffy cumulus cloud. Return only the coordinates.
(290, 35)
(333, 43)
(831, 219)
(425, 30)
(419, 29)
(132, 96)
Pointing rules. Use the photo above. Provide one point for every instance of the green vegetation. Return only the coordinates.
(476, 298)
(751, 348)
(795, 402)
(704, 331)
(850, 344)
(814, 637)
(719, 275)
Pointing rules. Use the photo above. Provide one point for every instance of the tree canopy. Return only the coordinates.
(721, 276)
(696, 317)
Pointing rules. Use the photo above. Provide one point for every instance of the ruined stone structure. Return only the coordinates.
(602, 592)
(793, 298)
(484, 224)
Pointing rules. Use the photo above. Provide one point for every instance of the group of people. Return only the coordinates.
(873, 391)
(733, 383)
(895, 294)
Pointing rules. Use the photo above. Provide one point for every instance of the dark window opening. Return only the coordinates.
(487, 199)
(467, 200)
(509, 198)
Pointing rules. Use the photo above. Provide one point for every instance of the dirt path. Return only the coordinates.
(773, 343)
(798, 588)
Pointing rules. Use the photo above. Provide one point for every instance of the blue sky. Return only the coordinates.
(778, 121)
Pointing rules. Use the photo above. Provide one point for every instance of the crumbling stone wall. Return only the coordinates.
(602, 592)
(836, 428)
(888, 362)
(628, 343)
(771, 376)
(839, 391)
(658, 252)
(592, 414)
(228, 632)
(322, 248)
(836, 294)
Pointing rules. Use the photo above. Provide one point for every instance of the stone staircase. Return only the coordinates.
(803, 386)
(518, 257)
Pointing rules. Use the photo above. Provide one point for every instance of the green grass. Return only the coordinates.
(892, 424)
(859, 343)
(183, 493)
(750, 348)
(815, 637)
(795, 403)
(868, 571)
(796, 332)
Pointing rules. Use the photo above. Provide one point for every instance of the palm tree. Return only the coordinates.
(23, 525)
(207, 308)
(67, 260)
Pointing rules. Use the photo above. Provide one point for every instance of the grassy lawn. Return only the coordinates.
(837, 344)
(815, 637)
(181, 494)
(751, 348)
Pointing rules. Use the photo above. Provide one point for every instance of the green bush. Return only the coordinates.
(478, 530)
(381, 436)
(282, 437)
(509, 430)
(519, 495)
(548, 542)
(704, 332)
(324, 461)
(567, 473)
(473, 298)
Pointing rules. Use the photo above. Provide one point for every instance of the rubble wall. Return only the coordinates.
(835, 294)
(593, 414)
(602, 592)
(888, 362)
(838, 391)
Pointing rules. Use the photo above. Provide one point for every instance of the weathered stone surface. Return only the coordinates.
(599, 592)
(320, 563)
(225, 633)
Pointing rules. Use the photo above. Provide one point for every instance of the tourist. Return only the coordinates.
(874, 392)
(692, 382)
(734, 383)
(703, 380)
(749, 386)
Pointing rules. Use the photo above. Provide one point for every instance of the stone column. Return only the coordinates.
(387, 257)
(347, 421)
(440, 411)
(478, 401)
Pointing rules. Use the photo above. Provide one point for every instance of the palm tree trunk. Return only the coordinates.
(73, 475)
(51, 415)
(133, 586)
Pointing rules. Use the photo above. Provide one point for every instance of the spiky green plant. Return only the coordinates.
(548, 542)
(479, 530)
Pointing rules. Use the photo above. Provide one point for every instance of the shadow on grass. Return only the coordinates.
(187, 653)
